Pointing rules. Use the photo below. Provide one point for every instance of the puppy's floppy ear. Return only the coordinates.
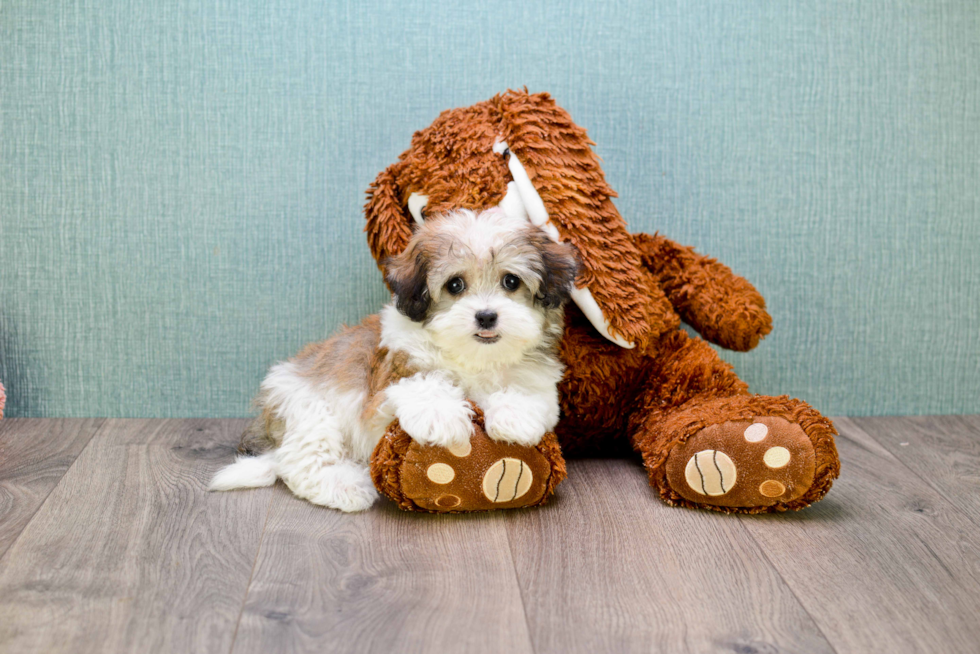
(560, 266)
(407, 276)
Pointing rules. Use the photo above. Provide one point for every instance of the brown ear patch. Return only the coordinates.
(560, 266)
(407, 276)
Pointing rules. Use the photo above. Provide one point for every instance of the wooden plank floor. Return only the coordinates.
(110, 543)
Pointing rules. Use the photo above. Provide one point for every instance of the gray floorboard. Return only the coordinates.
(884, 563)
(944, 451)
(122, 549)
(34, 455)
(382, 581)
(610, 568)
(129, 553)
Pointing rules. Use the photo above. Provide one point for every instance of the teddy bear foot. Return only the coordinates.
(481, 476)
(766, 463)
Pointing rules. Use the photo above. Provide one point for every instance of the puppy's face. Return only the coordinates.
(488, 288)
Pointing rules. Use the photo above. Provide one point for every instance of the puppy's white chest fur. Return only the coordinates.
(519, 399)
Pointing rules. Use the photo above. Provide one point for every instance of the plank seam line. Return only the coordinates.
(251, 573)
(938, 491)
(27, 524)
(517, 580)
(789, 587)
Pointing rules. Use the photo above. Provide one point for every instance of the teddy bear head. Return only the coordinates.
(523, 153)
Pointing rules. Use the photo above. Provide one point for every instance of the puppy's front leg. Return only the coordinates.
(432, 409)
(521, 416)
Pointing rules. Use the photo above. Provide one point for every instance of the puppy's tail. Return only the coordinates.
(246, 472)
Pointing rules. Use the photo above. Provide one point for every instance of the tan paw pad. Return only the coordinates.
(448, 501)
(506, 480)
(711, 472)
(771, 488)
(440, 473)
(462, 450)
(776, 457)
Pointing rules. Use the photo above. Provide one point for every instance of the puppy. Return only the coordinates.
(477, 313)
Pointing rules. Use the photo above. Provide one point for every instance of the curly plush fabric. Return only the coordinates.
(669, 397)
(453, 164)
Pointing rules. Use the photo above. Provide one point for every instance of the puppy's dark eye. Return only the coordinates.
(455, 286)
(511, 282)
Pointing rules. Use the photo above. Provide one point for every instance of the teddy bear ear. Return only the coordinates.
(389, 224)
(559, 177)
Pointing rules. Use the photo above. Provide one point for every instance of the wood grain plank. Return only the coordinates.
(382, 581)
(884, 563)
(34, 455)
(130, 553)
(944, 451)
(608, 567)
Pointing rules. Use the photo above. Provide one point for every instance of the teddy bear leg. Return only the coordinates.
(711, 444)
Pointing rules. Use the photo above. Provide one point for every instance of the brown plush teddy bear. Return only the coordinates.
(634, 379)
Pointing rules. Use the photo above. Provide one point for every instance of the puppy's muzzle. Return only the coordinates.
(486, 319)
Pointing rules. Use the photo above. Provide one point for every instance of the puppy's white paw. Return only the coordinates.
(344, 485)
(432, 410)
(508, 424)
(442, 422)
(350, 498)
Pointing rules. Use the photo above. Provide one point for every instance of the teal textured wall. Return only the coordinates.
(181, 182)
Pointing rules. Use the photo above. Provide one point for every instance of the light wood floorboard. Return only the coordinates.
(34, 455)
(610, 568)
(123, 550)
(130, 553)
(944, 451)
(884, 563)
(382, 581)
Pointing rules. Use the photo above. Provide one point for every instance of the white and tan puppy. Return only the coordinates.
(476, 315)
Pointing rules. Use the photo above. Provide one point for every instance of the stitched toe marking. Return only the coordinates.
(710, 472)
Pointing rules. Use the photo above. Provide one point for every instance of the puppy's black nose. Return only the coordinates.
(486, 319)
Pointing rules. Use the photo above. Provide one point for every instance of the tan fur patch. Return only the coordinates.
(351, 360)
(262, 434)
(386, 368)
(345, 359)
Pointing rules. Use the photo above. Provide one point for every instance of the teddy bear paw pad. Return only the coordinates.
(506, 480)
(743, 464)
(478, 476)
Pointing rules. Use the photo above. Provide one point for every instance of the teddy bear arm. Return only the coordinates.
(722, 306)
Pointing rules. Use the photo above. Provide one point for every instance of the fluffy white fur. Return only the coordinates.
(327, 439)
(246, 472)
(519, 397)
